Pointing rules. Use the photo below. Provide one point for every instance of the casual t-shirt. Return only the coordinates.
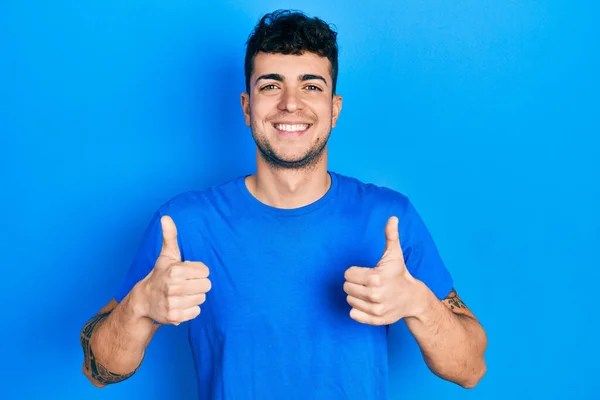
(276, 323)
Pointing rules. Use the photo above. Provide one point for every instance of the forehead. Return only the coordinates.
(291, 65)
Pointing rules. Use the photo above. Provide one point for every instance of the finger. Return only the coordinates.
(185, 315)
(375, 310)
(196, 270)
(189, 270)
(365, 293)
(170, 247)
(364, 318)
(187, 287)
(196, 286)
(392, 237)
(187, 301)
(190, 313)
(358, 275)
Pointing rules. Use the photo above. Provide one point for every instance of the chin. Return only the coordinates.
(288, 155)
(295, 162)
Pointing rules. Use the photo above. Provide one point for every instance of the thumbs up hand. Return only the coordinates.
(174, 290)
(387, 293)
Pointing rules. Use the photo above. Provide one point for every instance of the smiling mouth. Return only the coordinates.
(296, 129)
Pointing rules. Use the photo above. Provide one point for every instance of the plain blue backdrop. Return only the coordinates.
(485, 113)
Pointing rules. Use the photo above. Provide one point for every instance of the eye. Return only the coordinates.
(312, 87)
(268, 87)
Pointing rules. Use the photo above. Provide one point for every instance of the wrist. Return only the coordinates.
(137, 302)
(425, 302)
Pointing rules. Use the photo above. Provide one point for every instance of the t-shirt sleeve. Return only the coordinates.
(421, 255)
(144, 258)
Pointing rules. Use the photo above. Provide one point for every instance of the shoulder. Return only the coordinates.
(198, 202)
(374, 196)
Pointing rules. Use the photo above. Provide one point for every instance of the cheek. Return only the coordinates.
(259, 112)
(324, 108)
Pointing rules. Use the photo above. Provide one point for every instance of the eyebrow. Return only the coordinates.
(301, 78)
(310, 77)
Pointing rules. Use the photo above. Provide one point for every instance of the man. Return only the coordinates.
(308, 268)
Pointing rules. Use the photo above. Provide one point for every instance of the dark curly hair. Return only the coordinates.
(291, 32)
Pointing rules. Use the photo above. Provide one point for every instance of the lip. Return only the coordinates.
(291, 134)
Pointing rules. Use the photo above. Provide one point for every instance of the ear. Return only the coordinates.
(245, 98)
(337, 108)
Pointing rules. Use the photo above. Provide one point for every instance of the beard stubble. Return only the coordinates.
(306, 161)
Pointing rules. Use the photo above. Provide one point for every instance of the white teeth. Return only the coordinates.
(291, 128)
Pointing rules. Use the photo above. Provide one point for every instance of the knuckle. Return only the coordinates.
(191, 313)
(378, 310)
(165, 288)
(170, 290)
(173, 316)
(201, 298)
(208, 285)
(375, 296)
(170, 303)
(375, 279)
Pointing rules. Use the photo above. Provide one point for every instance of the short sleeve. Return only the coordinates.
(421, 255)
(144, 259)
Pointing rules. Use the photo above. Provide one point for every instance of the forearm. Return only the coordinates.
(452, 345)
(114, 342)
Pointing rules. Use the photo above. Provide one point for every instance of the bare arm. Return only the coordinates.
(114, 342)
(451, 339)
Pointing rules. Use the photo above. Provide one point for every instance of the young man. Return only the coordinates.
(307, 267)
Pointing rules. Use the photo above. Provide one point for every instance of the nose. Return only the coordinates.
(289, 101)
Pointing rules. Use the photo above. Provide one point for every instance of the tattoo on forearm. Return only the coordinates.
(97, 370)
(455, 301)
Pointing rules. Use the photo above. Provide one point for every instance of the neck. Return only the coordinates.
(289, 188)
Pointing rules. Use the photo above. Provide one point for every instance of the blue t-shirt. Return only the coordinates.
(276, 323)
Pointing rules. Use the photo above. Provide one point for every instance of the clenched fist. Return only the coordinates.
(387, 293)
(174, 290)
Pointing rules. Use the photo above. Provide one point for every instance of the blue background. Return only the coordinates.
(486, 114)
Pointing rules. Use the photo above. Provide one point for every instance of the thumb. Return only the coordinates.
(392, 239)
(170, 248)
